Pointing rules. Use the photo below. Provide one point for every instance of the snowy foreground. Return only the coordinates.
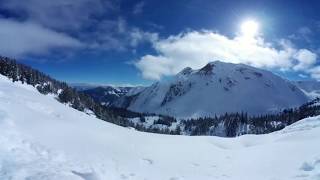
(43, 139)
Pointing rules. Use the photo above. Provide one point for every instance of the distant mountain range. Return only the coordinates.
(105, 94)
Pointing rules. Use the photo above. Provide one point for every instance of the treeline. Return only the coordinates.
(236, 124)
(25, 74)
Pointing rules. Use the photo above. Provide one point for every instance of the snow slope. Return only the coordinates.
(218, 88)
(43, 139)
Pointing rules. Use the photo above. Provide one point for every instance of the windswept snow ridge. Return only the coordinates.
(43, 139)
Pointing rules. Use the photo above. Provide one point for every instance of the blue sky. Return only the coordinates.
(138, 42)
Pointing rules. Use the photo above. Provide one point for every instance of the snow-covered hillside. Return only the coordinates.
(218, 88)
(43, 139)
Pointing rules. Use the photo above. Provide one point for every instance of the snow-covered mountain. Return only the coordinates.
(215, 89)
(83, 86)
(43, 139)
(310, 88)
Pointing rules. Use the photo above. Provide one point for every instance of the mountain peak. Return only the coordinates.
(208, 69)
(215, 62)
(186, 71)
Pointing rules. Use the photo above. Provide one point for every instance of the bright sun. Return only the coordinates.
(249, 28)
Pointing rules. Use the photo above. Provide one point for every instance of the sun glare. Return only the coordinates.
(249, 28)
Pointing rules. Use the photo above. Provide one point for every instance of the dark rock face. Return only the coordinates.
(176, 90)
(207, 69)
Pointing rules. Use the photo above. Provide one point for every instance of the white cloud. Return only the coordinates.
(315, 72)
(138, 36)
(305, 59)
(195, 49)
(302, 75)
(25, 38)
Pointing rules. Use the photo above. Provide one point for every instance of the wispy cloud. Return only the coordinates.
(305, 59)
(303, 33)
(138, 8)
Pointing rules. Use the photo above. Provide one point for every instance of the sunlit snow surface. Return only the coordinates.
(43, 139)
